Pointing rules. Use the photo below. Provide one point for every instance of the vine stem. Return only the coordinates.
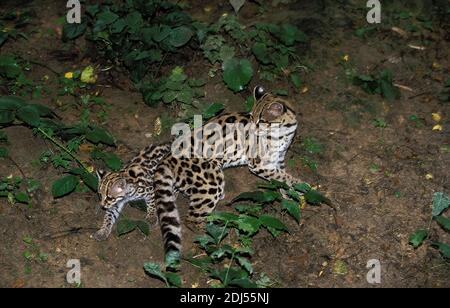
(228, 270)
(62, 147)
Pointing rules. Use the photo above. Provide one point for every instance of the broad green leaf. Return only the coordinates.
(74, 30)
(243, 283)
(64, 186)
(237, 73)
(259, 196)
(302, 187)
(314, 197)
(293, 208)
(125, 226)
(104, 19)
(274, 185)
(248, 224)
(245, 263)
(179, 36)
(272, 222)
(11, 103)
(296, 80)
(29, 115)
(22, 197)
(90, 180)
(440, 203)
(6, 117)
(444, 249)
(134, 21)
(261, 53)
(226, 52)
(42, 110)
(154, 270)
(212, 110)
(217, 232)
(444, 222)
(3, 152)
(248, 209)
(100, 135)
(162, 33)
(143, 227)
(9, 67)
(219, 253)
(174, 279)
(416, 239)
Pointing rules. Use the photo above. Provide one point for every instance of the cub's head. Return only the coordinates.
(271, 109)
(112, 188)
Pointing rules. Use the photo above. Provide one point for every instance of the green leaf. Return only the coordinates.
(22, 197)
(162, 33)
(11, 103)
(217, 232)
(272, 222)
(9, 66)
(302, 187)
(104, 19)
(274, 185)
(444, 222)
(29, 115)
(222, 216)
(125, 226)
(64, 186)
(154, 270)
(243, 283)
(174, 279)
(237, 73)
(6, 117)
(296, 80)
(314, 197)
(248, 224)
(212, 110)
(90, 180)
(74, 30)
(259, 196)
(440, 203)
(416, 239)
(245, 263)
(3, 152)
(143, 227)
(99, 135)
(292, 208)
(179, 36)
(261, 53)
(444, 249)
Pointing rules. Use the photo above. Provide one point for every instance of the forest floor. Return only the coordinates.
(380, 162)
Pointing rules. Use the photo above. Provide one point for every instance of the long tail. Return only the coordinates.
(166, 210)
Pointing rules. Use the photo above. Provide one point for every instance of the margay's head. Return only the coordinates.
(112, 188)
(269, 108)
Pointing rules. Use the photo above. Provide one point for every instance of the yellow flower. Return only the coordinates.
(68, 75)
(437, 127)
(346, 58)
(436, 117)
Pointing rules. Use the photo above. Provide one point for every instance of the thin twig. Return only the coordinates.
(63, 148)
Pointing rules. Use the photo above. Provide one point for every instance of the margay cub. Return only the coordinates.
(200, 179)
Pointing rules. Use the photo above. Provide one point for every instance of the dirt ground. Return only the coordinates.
(377, 209)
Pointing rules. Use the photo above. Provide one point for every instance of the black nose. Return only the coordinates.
(258, 92)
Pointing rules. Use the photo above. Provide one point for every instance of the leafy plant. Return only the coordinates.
(441, 202)
(381, 84)
(11, 188)
(125, 226)
(176, 88)
(227, 243)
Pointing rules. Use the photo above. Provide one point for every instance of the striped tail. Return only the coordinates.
(168, 216)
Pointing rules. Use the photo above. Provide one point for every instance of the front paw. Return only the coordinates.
(101, 235)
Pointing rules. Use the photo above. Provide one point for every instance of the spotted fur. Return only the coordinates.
(133, 182)
(202, 180)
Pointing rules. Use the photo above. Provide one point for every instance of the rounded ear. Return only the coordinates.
(273, 111)
(118, 187)
(258, 92)
(100, 174)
